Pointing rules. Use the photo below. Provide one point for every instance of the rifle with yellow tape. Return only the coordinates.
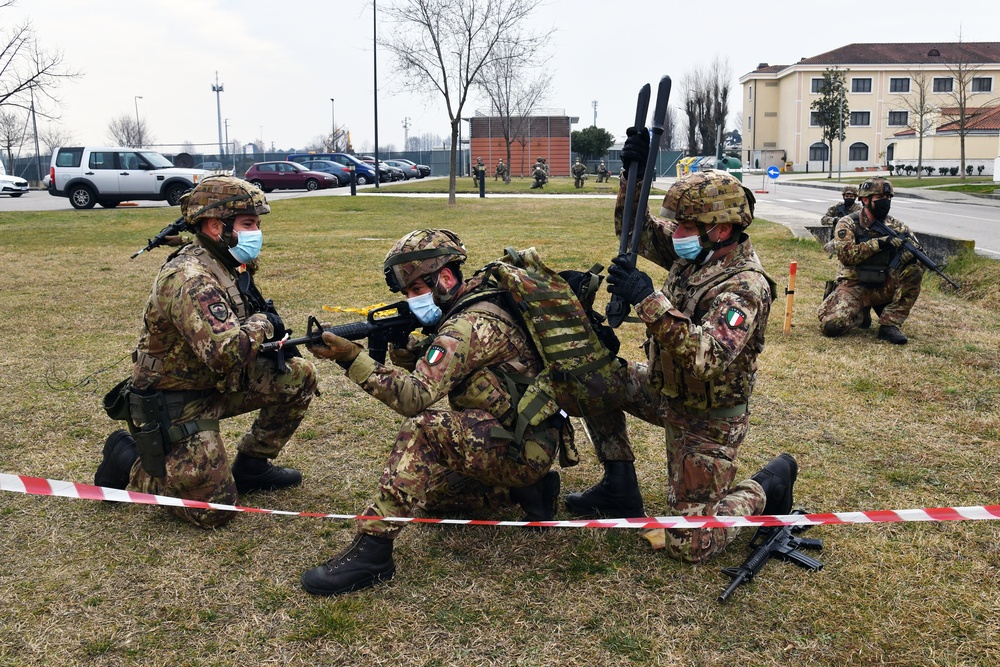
(386, 325)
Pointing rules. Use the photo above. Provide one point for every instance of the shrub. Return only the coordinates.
(890, 168)
(953, 171)
(968, 169)
(929, 170)
(909, 169)
(980, 169)
(942, 170)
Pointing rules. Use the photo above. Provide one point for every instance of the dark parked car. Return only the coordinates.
(422, 169)
(408, 168)
(364, 173)
(385, 172)
(342, 173)
(286, 175)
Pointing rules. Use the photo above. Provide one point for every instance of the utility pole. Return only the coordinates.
(375, 82)
(217, 89)
(34, 126)
(406, 133)
(594, 103)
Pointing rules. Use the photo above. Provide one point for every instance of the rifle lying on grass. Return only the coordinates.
(173, 229)
(879, 227)
(628, 245)
(777, 542)
(385, 325)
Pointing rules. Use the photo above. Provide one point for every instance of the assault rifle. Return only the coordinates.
(777, 542)
(628, 244)
(385, 325)
(173, 229)
(879, 227)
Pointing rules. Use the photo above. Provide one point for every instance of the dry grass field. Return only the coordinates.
(873, 426)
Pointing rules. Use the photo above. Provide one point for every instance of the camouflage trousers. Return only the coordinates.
(701, 463)
(448, 460)
(198, 468)
(844, 308)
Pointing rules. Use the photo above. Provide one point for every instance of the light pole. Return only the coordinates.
(137, 132)
(227, 135)
(333, 120)
(217, 89)
(375, 82)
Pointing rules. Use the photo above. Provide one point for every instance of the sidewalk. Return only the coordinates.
(928, 193)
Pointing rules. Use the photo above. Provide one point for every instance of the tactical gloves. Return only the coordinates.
(636, 149)
(336, 348)
(628, 282)
(886, 242)
(277, 323)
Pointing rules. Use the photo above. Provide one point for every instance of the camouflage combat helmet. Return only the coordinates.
(875, 186)
(709, 198)
(222, 197)
(421, 253)
(850, 190)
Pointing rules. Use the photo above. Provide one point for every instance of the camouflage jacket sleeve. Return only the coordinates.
(464, 343)
(197, 307)
(833, 214)
(850, 250)
(655, 242)
(705, 349)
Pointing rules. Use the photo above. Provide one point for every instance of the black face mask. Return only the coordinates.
(848, 203)
(880, 208)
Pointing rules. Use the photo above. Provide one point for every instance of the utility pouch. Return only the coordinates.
(828, 288)
(872, 275)
(149, 443)
(115, 401)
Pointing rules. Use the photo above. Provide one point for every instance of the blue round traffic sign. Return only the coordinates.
(773, 171)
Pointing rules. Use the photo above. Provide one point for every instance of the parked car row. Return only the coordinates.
(109, 175)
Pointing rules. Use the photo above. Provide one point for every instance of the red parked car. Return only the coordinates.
(284, 175)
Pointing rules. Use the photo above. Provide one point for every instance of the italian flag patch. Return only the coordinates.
(735, 317)
(435, 354)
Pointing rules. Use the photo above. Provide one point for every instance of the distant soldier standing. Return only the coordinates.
(454, 454)
(873, 271)
(579, 172)
(480, 168)
(198, 361)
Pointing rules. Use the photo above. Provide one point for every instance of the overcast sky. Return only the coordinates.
(280, 62)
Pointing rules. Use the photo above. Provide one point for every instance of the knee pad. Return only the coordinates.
(832, 329)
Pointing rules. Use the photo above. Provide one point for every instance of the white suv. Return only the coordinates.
(11, 185)
(110, 175)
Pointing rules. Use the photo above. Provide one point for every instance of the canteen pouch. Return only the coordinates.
(115, 402)
(872, 275)
(149, 443)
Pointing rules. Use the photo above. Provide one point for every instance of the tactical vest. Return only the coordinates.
(873, 271)
(581, 376)
(715, 398)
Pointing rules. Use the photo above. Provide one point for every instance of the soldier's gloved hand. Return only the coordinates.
(277, 323)
(336, 348)
(628, 282)
(403, 357)
(636, 149)
(886, 243)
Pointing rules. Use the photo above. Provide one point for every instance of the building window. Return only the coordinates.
(858, 152)
(899, 117)
(813, 119)
(817, 86)
(861, 118)
(770, 114)
(749, 92)
(749, 123)
(982, 84)
(819, 152)
(900, 85)
(943, 84)
(861, 85)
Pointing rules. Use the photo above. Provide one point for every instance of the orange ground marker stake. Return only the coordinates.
(790, 296)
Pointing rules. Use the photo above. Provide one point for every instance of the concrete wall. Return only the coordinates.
(938, 248)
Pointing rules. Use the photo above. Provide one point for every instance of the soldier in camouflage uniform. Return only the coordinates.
(602, 173)
(539, 176)
(872, 270)
(501, 171)
(705, 329)
(478, 169)
(579, 172)
(848, 206)
(197, 362)
(459, 455)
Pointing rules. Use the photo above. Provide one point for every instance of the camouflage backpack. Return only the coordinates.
(582, 374)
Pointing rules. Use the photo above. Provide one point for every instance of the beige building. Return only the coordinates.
(883, 91)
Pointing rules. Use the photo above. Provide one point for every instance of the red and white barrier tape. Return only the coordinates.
(39, 486)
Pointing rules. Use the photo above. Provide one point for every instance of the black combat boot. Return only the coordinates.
(891, 334)
(538, 500)
(866, 318)
(615, 496)
(777, 478)
(368, 561)
(253, 474)
(119, 456)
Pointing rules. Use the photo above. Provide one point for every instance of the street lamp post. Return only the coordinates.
(217, 89)
(333, 121)
(137, 132)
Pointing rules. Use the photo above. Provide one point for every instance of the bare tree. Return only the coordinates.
(920, 110)
(126, 131)
(832, 111)
(444, 45)
(513, 96)
(12, 130)
(962, 114)
(669, 138)
(53, 136)
(27, 70)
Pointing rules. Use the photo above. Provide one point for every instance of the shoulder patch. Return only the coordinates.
(219, 311)
(735, 317)
(842, 233)
(434, 355)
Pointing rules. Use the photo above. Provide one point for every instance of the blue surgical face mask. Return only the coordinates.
(424, 308)
(688, 247)
(247, 246)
